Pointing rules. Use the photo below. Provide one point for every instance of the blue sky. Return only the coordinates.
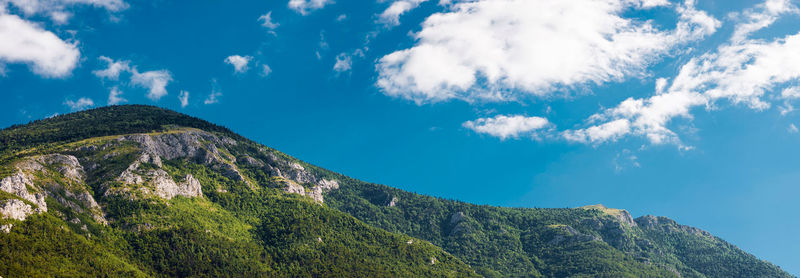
(679, 109)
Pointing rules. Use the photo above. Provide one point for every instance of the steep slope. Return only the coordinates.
(180, 201)
(591, 241)
(143, 191)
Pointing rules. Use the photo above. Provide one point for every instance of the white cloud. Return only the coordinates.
(607, 131)
(80, 104)
(391, 16)
(58, 10)
(45, 53)
(741, 71)
(305, 6)
(266, 21)
(113, 70)
(343, 62)
(624, 160)
(792, 129)
(762, 16)
(239, 63)
(503, 126)
(184, 98)
(341, 17)
(213, 97)
(503, 49)
(155, 81)
(115, 97)
(265, 70)
(791, 93)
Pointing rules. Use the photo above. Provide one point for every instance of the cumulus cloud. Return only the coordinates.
(115, 97)
(503, 49)
(80, 104)
(239, 63)
(512, 126)
(391, 16)
(184, 98)
(343, 62)
(155, 81)
(305, 6)
(740, 71)
(45, 53)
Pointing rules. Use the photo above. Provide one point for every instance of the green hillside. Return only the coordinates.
(143, 191)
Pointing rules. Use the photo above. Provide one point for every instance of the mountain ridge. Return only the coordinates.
(136, 181)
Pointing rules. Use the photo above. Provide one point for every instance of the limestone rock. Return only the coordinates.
(18, 184)
(293, 187)
(323, 187)
(15, 209)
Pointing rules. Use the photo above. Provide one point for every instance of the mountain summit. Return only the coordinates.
(144, 191)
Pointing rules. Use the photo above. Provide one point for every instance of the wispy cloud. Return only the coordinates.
(80, 104)
(60, 10)
(305, 6)
(512, 126)
(113, 70)
(213, 97)
(265, 70)
(115, 97)
(155, 81)
(741, 71)
(266, 21)
(184, 98)
(391, 16)
(343, 62)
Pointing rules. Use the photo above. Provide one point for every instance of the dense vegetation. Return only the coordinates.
(252, 228)
(111, 120)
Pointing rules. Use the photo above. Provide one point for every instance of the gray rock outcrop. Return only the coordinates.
(15, 209)
(160, 182)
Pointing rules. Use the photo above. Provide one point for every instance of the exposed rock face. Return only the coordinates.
(567, 235)
(293, 187)
(18, 184)
(625, 217)
(72, 195)
(66, 165)
(668, 225)
(250, 161)
(161, 184)
(6, 229)
(200, 146)
(393, 202)
(167, 188)
(15, 209)
(323, 186)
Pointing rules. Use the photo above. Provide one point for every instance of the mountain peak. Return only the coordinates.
(139, 190)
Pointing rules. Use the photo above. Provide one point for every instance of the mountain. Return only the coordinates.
(144, 191)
